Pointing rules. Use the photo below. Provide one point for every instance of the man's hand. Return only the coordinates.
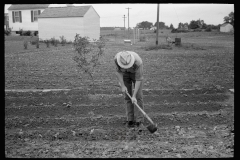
(124, 89)
(134, 100)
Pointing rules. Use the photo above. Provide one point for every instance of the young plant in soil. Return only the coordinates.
(47, 42)
(88, 55)
(25, 44)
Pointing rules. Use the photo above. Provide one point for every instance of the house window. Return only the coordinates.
(35, 14)
(16, 17)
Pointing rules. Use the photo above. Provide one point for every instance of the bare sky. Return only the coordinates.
(111, 15)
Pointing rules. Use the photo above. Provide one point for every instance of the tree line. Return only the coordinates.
(194, 24)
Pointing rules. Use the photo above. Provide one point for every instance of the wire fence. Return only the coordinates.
(118, 36)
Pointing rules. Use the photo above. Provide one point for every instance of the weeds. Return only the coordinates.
(25, 44)
(62, 40)
(47, 42)
(37, 43)
(7, 32)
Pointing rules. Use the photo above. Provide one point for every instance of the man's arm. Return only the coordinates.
(137, 86)
(120, 79)
(139, 79)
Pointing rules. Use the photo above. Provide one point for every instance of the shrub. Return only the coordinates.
(56, 42)
(37, 43)
(208, 29)
(20, 32)
(26, 33)
(62, 40)
(25, 44)
(88, 54)
(52, 41)
(47, 42)
(7, 31)
(174, 31)
(179, 30)
(198, 30)
(35, 33)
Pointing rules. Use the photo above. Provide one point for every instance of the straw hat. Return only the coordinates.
(125, 59)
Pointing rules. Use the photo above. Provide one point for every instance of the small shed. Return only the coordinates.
(226, 27)
(153, 28)
(117, 29)
(69, 21)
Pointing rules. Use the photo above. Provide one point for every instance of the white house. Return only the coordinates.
(25, 16)
(226, 27)
(6, 21)
(153, 28)
(69, 21)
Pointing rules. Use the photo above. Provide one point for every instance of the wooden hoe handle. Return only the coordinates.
(141, 110)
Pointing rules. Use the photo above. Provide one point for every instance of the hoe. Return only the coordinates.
(152, 127)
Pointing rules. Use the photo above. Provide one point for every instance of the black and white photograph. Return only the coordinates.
(119, 80)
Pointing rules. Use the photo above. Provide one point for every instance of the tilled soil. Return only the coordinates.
(89, 124)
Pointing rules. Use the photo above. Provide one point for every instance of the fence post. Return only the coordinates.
(133, 35)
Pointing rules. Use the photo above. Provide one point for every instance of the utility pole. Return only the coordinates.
(157, 24)
(124, 21)
(128, 21)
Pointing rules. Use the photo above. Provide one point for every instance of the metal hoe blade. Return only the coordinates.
(152, 128)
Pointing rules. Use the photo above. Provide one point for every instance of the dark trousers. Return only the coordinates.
(129, 82)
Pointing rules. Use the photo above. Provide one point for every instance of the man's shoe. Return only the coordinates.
(130, 124)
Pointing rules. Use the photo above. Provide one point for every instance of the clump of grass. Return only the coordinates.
(47, 42)
(56, 42)
(62, 40)
(25, 44)
(157, 47)
(37, 43)
(52, 40)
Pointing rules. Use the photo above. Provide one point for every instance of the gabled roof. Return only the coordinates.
(224, 24)
(27, 6)
(57, 12)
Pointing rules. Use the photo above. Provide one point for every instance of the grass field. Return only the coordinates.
(186, 92)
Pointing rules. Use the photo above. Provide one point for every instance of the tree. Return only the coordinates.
(171, 26)
(144, 25)
(229, 18)
(194, 24)
(161, 25)
(204, 26)
(180, 25)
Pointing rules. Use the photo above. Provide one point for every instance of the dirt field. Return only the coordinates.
(186, 92)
